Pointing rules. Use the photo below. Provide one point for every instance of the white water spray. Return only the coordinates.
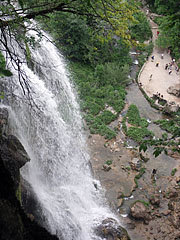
(52, 135)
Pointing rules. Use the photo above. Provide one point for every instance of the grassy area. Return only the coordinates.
(138, 131)
(168, 125)
(102, 94)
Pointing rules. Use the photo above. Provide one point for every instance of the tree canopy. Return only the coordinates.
(105, 17)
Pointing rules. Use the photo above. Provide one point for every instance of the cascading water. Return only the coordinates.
(52, 134)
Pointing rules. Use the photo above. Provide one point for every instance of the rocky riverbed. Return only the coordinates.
(148, 206)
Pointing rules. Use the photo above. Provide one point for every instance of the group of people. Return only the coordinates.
(168, 66)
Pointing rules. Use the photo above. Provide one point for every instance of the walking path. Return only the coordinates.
(160, 80)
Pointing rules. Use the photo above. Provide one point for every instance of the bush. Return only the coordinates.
(133, 116)
(138, 134)
(173, 171)
(141, 31)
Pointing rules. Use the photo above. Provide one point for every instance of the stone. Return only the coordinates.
(139, 211)
(106, 167)
(166, 212)
(135, 164)
(110, 229)
(168, 108)
(155, 200)
(174, 91)
(13, 155)
(120, 202)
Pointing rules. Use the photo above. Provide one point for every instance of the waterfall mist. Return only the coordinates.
(51, 131)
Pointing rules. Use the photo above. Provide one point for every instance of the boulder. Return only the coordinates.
(169, 108)
(138, 210)
(106, 167)
(155, 200)
(135, 164)
(13, 155)
(14, 224)
(111, 230)
(174, 91)
(12, 152)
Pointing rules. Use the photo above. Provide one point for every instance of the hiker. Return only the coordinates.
(157, 64)
(154, 171)
(157, 33)
(162, 56)
(170, 71)
(152, 58)
(166, 66)
(150, 78)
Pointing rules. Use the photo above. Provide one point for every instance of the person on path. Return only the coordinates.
(157, 64)
(170, 71)
(150, 78)
(153, 177)
(152, 58)
(162, 56)
(166, 66)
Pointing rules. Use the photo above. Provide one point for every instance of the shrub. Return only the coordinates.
(138, 134)
(173, 171)
(133, 115)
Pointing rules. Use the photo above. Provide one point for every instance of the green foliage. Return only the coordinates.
(168, 125)
(96, 96)
(169, 25)
(146, 204)
(133, 116)
(139, 129)
(139, 175)
(138, 134)
(3, 71)
(1, 95)
(111, 73)
(141, 30)
(108, 162)
(144, 122)
(107, 117)
(124, 127)
(173, 171)
(96, 126)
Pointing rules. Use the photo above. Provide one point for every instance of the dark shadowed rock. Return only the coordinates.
(13, 155)
(174, 91)
(111, 230)
(14, 223)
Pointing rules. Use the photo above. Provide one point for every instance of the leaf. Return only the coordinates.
(5, 72)
(143, 147)
(21, 3)
(157, 152)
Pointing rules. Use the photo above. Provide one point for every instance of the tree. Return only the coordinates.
(107, 18)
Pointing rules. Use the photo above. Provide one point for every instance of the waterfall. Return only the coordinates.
(51, 131)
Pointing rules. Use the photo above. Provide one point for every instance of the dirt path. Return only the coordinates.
(160, 80)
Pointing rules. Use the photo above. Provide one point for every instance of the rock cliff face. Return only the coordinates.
(14, 223)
